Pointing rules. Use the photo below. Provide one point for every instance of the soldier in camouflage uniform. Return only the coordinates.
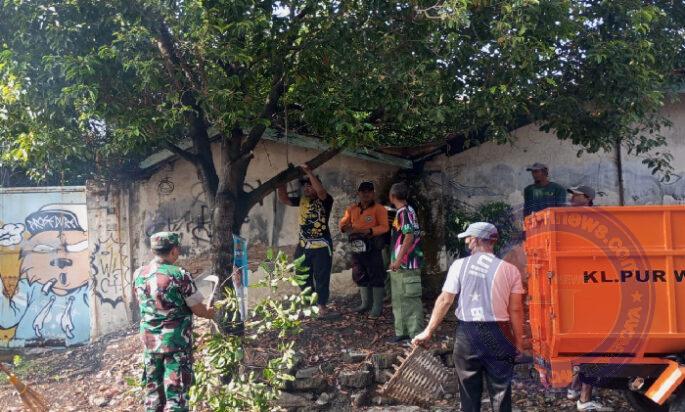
(168, 299)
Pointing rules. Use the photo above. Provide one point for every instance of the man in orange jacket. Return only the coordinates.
(365, 223)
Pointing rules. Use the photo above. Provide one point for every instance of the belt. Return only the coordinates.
(484, 323)
(315, 244)
(504, 326)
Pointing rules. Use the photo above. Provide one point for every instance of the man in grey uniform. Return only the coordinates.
(490, 319)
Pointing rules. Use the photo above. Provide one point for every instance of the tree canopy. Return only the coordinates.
(90, 83)
(90, 87)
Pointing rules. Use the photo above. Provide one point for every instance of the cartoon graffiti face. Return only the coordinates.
(56, 260)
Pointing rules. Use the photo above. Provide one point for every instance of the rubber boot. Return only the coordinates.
(377, 308)
(365, 293)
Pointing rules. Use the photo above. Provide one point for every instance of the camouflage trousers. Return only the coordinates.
(167, 378)
(407, 308)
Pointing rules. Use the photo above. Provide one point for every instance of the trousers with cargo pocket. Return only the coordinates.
(407, 308)
(167, 378)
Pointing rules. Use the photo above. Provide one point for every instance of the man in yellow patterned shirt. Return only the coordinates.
(315, 242)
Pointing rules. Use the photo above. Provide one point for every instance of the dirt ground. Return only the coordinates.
(103, 376)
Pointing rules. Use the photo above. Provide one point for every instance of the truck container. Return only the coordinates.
(606, 298)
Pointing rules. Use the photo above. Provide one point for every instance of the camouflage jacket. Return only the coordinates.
(165, 293)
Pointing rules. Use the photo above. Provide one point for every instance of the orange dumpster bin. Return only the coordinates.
(607, 299)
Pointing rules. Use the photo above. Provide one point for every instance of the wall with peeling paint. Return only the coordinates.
(492, 172)
(173, 199)
(110, 259)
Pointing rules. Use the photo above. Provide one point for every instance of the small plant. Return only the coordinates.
(225, 380)
(499, 214)
(134, 387)
(20, 369)
(132, 382)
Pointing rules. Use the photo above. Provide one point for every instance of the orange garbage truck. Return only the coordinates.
(606, 300)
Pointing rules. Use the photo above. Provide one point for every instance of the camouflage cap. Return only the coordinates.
(164, 240)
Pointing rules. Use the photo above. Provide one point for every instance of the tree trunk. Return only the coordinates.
(231, 206)
(221, 249)
(224, 226)
(619, 172)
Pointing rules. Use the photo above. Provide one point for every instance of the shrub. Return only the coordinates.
(500, 214)
(224, 379)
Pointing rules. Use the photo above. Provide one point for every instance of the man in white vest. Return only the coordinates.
(490, 319)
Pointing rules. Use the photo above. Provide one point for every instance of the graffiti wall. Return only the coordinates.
(173, 199)
(44, 267)
(111, 280)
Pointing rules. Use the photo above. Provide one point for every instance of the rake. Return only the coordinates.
(32, 400)
(420, 378)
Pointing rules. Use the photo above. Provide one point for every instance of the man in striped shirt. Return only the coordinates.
(405, 267)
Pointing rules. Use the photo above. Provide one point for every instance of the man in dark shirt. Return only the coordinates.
(315, 241)
(542, 193)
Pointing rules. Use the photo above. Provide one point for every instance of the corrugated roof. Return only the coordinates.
(294, 140)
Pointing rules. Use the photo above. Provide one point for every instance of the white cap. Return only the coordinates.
(537, 166)
(482, 230)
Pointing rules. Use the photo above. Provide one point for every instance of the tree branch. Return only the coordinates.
(198, 126)
(291, 173)
(184, 154)
(231, 69)
(278, 85)
(257, 131)
(167, 46)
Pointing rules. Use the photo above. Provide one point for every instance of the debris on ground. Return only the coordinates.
(343, 365)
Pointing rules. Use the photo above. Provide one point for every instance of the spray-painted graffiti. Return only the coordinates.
(189, 216)
(108, 271)
(200, 231)
(197, 227)
(45, 276)
(165, 186)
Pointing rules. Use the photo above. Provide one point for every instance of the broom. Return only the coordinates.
(33, 401)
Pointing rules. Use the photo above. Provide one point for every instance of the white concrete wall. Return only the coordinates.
(121, 218)
(641, 186)
(110, 258)
(492, 172)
